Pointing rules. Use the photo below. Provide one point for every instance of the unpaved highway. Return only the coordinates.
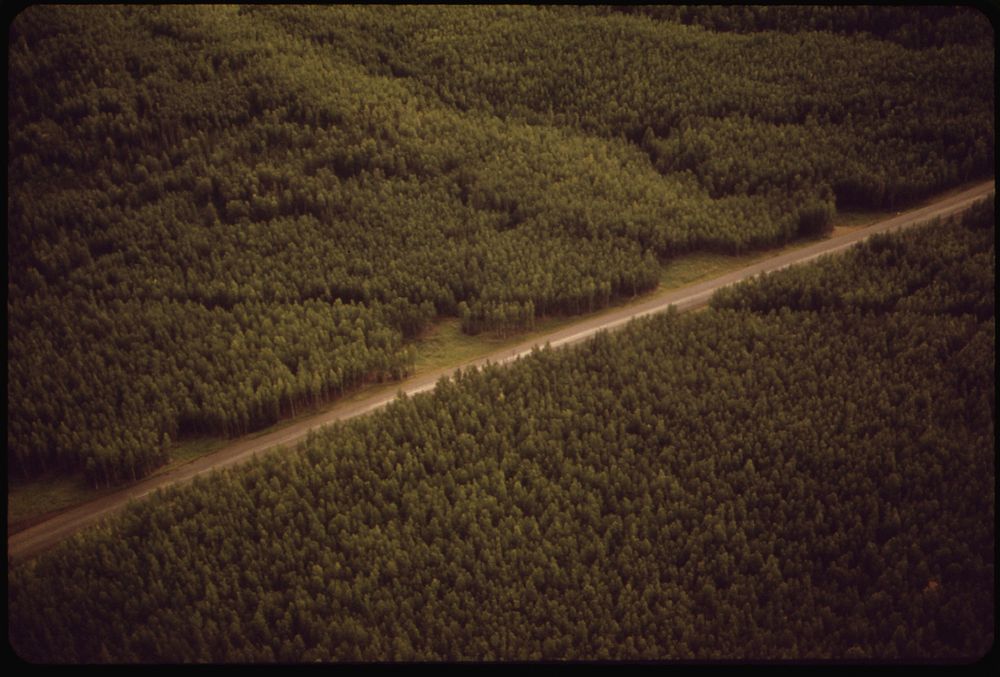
(43, 535)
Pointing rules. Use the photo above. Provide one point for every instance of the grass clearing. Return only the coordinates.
(445, 345)
(27, 501)
(699, 266)
(858, 219)
(188, 450)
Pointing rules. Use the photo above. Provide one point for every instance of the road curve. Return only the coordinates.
(39, 537)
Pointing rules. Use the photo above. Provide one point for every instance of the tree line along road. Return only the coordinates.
(37, 538)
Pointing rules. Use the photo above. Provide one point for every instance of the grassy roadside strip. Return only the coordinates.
(440, 346)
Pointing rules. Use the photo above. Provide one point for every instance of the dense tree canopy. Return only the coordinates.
(906, 272)
(911, 26)
(217, 214)
(770, 478)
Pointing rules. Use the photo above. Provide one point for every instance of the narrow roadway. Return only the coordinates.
(43, 535)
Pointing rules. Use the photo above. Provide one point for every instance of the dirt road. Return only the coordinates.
(43, 535)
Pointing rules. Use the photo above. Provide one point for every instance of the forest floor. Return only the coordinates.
(46, 510)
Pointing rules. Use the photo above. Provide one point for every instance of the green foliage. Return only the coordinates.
(736, 483)
(915, 271)
(911, 26)
(769, 112)
(217, 214)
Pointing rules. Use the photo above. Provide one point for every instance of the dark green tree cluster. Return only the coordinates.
(119, 396)
(905, 272)
(741, 484)
(913, 26)
(330, 179)
(774, 111)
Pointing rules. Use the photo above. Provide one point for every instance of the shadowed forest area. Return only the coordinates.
(217, 214)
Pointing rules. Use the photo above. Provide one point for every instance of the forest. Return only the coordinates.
(804, 470)
(220, 214)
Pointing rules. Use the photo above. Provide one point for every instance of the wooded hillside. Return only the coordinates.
(794, 473)
(218, 214)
